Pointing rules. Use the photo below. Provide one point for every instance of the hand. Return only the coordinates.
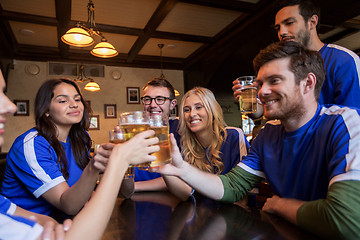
(117, 128)
(284, 207)
(176, 163)
(272, 204)
(138, 149)
(101, 156)
(237, 89)
(56, 231)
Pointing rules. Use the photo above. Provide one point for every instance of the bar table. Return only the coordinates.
(160, 215)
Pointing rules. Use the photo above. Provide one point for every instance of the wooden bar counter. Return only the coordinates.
(160, 215)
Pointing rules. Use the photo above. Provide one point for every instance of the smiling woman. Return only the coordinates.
(206, 141)
(58, 148)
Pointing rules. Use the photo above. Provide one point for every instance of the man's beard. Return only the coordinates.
(291, 109)
(303, 37)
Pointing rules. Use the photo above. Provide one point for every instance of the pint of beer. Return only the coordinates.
(116, 137)
(248, 96)
(161, 127)
(132, 123)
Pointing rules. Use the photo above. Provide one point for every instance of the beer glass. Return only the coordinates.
(132, 123)
(116, 137)
(160, 125)
(248, 95)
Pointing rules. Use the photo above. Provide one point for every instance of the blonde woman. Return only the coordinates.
(206, 141)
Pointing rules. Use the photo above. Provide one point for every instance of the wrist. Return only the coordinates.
(184, 170)
(91, 169)
(121, 154)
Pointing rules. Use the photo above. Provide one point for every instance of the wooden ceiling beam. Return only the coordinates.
(28, 18)
(63, 15)
(225, 4)
(340, 35)
(9, 45)
(114, 29)
(228, 38)
(352, 23)
(182, 37)
(158, 16)
(40, 53)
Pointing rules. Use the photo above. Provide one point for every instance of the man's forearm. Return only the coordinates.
(284, 207)
(337, 216)
(237, 183)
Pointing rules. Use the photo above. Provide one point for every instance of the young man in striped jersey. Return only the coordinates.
(311, 159)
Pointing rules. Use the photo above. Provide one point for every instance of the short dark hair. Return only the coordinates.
(161, 82)
(302, 61)
(307, 8)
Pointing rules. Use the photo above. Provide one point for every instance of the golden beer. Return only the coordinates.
(247, 100)
(131, 130)
(163, 156)
(130, 172)
(117, 141)
(248, 95)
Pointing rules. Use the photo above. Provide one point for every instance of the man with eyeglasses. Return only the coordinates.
(158, 98)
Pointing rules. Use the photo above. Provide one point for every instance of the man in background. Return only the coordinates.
(158, 98)
(298, 20)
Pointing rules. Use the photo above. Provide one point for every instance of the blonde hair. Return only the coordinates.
(191, 148)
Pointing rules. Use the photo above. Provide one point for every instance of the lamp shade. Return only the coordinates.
(92, 86)
(176, 93)
(104, 50)
(77, 37)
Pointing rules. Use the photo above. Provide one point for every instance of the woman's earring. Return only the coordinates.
(47, 114)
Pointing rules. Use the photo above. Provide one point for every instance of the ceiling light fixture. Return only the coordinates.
(176, 93)
(160, 45)
(90, 86)
(81, 36)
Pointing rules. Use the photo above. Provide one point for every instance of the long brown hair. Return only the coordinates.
(79, 138)
(191, 148)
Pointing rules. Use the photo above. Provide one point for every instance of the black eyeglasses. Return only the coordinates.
(159, 100)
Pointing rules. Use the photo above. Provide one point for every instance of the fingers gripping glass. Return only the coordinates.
(159, 100)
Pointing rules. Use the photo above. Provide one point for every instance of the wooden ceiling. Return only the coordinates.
(213, 41)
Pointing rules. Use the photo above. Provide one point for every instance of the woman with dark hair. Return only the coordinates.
(49, 166)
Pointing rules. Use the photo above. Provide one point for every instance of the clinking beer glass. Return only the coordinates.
(116, 137)
(132, 123)
(248, 95)
(160, 124)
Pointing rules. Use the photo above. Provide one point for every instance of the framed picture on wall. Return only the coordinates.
(94, 122)
(22, 107)
(174, 112)
(110, 110)
(133, 95)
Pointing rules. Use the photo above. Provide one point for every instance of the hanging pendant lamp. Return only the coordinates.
(91, 85)
(104, 50)
(82, 36)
